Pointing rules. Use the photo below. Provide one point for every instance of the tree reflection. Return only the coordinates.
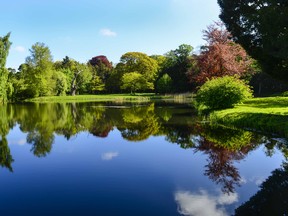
(6, 122)
(41, 142)
(5, 155)
(223, 146)
(271, 199)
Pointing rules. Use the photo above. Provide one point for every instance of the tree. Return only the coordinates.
(38, 71)
(134, 81)
(78, 74)
(261, 27)
(164, 84)
(4, 50)
(140, 63)
(220, 57)
(178, 63)
(101, 71)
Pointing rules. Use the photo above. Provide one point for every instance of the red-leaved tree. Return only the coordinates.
(221, 56)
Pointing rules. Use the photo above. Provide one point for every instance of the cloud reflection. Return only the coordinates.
(203, 204)
(109, 155)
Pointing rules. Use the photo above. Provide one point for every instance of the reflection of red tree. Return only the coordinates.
(220, 166)
(101, 132)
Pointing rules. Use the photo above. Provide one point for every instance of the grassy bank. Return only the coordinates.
(268, 115)
(141, 97)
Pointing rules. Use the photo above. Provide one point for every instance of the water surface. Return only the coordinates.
(141, 159)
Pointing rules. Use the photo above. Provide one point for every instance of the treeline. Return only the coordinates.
(178, 70)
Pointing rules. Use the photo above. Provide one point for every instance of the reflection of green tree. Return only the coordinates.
(5, 155)
(6, 122)
(224, 146)
(272, 144)
(139, 123)
(226, 137)
(271, 199)
(182, 135)
(41, 142)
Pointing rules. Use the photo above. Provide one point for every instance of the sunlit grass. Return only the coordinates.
(138, 97)
(268, 115)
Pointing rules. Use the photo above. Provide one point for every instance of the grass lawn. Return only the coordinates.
(268, 115)
(139, 97)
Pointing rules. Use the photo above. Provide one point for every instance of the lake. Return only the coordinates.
(139, 159)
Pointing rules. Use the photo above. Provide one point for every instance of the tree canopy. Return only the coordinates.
(220, 56)
(261, 27)
(4, 50)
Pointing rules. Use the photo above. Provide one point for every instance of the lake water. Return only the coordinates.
(141, 159)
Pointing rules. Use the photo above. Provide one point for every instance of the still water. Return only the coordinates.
(141, 159)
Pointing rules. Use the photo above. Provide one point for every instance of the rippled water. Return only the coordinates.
(141, 159)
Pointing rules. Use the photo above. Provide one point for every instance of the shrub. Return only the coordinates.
(223, 92)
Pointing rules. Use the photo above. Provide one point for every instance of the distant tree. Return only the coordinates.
(38, 71)
(4, 50)
(78, 75)
(261, 27)
(133, 62)
(178, 62)
(101, 71)
(220, 57)
(164, 84)
(134, 82)
(140, 63)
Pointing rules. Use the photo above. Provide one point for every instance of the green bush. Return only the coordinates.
(223, 92)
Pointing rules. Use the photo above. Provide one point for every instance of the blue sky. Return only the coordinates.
(85, 28)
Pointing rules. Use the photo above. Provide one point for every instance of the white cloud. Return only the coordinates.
(109, 155)
(18, 142)
(203, 204)
(108, 33)
(20, 49)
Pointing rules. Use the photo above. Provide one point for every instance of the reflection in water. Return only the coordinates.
(271, 199)
(5, 156)
(109, 155)
(217, 143)
(222, 146)
(135, 123)
(203, 203)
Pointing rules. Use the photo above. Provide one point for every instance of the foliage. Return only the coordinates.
(78, 75)
(223, 92)
(164, 84)
(38, 71)
(101, 70)
(134, 82)
(220, 57)
(4, 50)
(177, 63)
(261, 27)
(61, 83)
(272, 197)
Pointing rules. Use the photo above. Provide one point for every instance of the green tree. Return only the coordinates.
(164, 84)
(134, 82)
(261, 27)
(178, 63)
(78, 75)
(4, 50)
(139, 63)
(39, 71)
